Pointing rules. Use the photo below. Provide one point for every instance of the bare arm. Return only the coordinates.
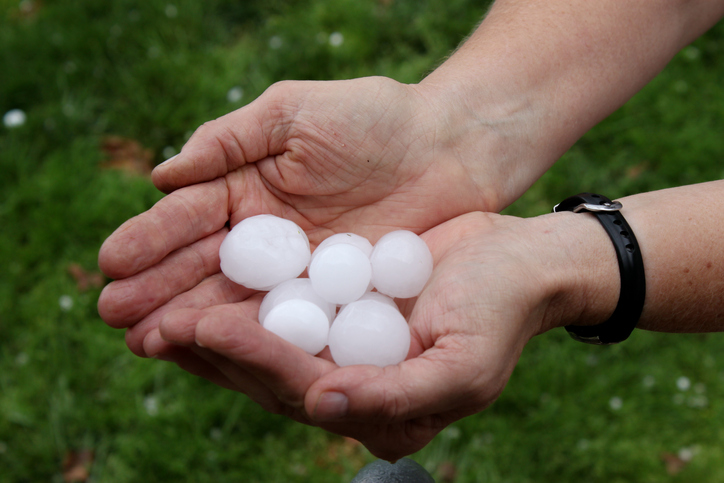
(681, 234)
(535, 76)
(498, 281)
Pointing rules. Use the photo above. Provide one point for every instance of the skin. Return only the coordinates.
(371, 155)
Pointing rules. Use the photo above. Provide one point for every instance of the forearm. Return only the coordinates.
(681, 235)
(541, 74)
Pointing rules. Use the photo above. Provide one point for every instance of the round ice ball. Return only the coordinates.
(301, 323)
(348, 238)
(376, 296)
(264, 250)
(369, 332)
(401, 264)
(299, 289)
(340, 273)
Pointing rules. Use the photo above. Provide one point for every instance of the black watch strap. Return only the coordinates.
(631, 266)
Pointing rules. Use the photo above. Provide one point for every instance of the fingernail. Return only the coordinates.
(331, 406)
(153, 344)
(168, 160)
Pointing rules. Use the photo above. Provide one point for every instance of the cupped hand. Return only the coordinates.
(365, 155)
(485, 300)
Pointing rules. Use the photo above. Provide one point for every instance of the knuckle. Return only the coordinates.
(394, 405)
(281, 88)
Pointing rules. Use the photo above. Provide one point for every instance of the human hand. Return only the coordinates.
(497, 282)
(365, 155)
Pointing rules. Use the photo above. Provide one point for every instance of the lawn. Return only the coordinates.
(99, 92)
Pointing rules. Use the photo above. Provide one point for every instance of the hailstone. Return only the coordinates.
(369, 332)
(299, 289)
(301, 323)
(263, 251)
(401, 264)
(340, 273)
(348, 238)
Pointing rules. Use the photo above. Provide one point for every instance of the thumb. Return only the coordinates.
(435, 382)
(247, 135)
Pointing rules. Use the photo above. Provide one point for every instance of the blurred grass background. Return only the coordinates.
(122, 84)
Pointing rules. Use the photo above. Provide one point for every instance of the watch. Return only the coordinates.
(631, 266)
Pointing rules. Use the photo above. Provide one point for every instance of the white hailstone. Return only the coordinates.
(263, 251)
(698, 401)
(295, 289)
(301, 323)
(150, 403)
(65, 302)
(615, 403)
(348, 238)
(276, 42)
(691, 53)
(683, 383)
(649, 381)
(686, 454)
(14, 118)
(235, 94)
(336, 39)
(169, 152)
(401, 264)
(376, 296)
(171, 11)
(22, 359)
(340, 273)
(369, 332)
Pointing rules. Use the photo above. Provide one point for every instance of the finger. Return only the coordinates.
(443, 379)
(179, 327)
(215, 290)
(231, 141)
(244, 382)
(190, 362)
(233, 332)
(176, 221)
(124, 302)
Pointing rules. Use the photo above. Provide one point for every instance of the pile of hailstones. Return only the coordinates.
(335, 306)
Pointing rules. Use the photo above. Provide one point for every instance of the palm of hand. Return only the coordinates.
(462, 353)
(301, 151)
(360, 155)
(353, 165)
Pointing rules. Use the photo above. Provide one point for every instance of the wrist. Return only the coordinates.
(578, 267)
(494, 137)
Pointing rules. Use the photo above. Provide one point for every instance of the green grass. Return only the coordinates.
(152, 71)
